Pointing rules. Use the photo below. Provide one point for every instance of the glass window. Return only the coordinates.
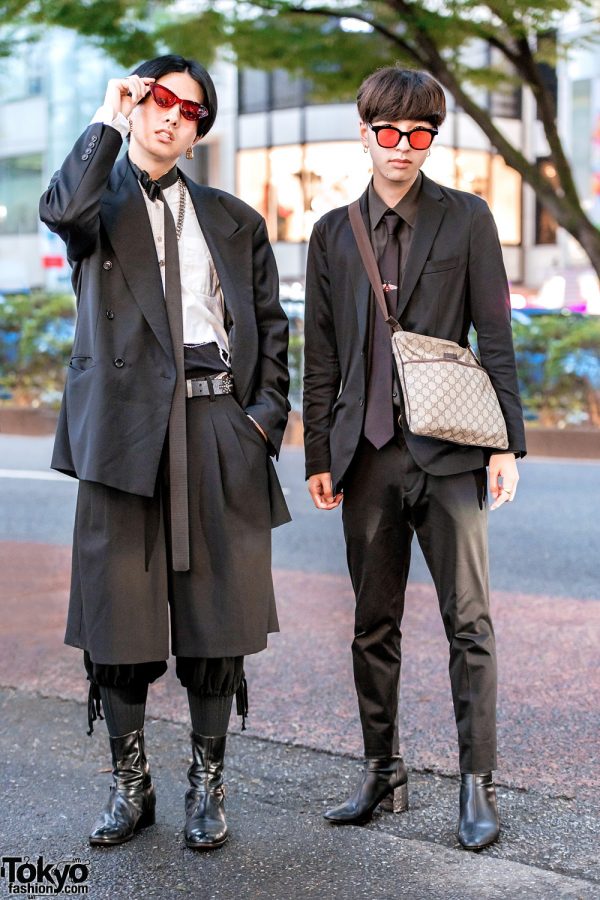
(293, 186)
(545, 223)
(20, 189)
(505, 102)
(253, 180)
(581, 145)
(253, 91)
(21, 73)
(286, 90)
(486, 175)
(505, 201)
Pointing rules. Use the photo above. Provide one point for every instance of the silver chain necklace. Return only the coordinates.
(181, 214)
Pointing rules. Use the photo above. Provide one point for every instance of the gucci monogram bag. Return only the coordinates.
(447, 393)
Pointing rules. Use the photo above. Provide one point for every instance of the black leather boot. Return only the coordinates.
(479, 824)
(385, 782)
(132, 800)
(205, 826)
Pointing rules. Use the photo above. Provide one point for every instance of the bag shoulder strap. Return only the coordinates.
(370, 263)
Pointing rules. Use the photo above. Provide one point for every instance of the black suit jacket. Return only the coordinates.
(454, 277)
(114, 414)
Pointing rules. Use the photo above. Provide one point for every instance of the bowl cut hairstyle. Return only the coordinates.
(163, 65)
(393, 94)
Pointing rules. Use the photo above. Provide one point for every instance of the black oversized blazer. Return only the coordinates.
(121, 376)
(454, 277)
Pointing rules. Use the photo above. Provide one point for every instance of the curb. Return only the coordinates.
(568, 443)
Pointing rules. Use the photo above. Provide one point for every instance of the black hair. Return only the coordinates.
(394, 94)
(164, 65)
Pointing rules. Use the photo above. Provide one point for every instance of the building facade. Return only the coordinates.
(288, 157)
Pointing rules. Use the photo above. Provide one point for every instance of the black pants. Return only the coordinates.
(387, 497)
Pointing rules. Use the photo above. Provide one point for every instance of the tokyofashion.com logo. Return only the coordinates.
(32, 878)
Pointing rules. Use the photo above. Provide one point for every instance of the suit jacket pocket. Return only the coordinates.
(440, 265)
(81, 363)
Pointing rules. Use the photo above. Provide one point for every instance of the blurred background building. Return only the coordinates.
(292, 159)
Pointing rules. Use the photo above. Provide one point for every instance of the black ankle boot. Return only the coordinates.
(382, 780)
(205, 826)
(132, 800)
(479, 824)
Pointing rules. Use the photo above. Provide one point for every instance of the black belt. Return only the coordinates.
(209, 385)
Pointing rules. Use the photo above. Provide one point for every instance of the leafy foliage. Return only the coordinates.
(558, 360)
(36, 333)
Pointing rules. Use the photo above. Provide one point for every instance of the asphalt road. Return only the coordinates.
(299, 753)
(546, 542)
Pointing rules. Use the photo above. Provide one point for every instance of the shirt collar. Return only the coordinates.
(406, 208)
(151, 187)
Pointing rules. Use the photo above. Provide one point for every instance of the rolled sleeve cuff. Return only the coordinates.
(104, 115)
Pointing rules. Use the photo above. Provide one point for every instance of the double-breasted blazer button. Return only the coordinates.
(110, 314)
(85, 156)
(119, 363)
(107, 264)
(93, 139)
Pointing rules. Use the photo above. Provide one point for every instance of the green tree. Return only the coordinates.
(36, 333)
(311, 39)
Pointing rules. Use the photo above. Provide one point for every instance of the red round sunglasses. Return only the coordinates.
(388, 136)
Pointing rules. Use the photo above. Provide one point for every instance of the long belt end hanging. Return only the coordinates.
(180, 528)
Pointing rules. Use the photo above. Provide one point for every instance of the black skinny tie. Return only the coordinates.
(379, 417)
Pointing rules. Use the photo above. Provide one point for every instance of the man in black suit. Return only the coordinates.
(176, 397)
(441, 267)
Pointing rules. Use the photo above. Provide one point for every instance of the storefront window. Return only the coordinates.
(293, 186)
(486, 175)
(545, 223)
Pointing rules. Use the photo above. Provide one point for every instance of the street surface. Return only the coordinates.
(299, 751)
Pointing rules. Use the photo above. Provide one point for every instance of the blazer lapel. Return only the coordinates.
(429, 217)
(125, 218)
(227, 241)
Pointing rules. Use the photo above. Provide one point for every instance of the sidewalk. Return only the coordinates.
(282, 773)
(56, 780)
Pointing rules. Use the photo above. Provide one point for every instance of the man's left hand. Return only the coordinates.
(504, 477)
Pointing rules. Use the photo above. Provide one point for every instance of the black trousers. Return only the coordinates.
(387, 498)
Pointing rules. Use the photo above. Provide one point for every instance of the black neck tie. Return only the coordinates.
(178, 490)
(379, 416)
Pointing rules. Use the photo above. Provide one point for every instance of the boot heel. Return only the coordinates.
(400, 801)
(397, 801)
(146, 819)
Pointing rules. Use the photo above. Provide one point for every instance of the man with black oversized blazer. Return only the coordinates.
(176, 397)
(450, 276)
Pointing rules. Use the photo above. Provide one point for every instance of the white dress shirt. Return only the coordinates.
(201, 294)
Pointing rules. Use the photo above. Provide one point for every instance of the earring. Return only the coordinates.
(189, 153)
(130, 125)
(365, 148)
(429, 153)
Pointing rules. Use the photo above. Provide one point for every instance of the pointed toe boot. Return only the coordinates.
(384, 782)
(205, 826)
(479, 825)
(131, 803)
